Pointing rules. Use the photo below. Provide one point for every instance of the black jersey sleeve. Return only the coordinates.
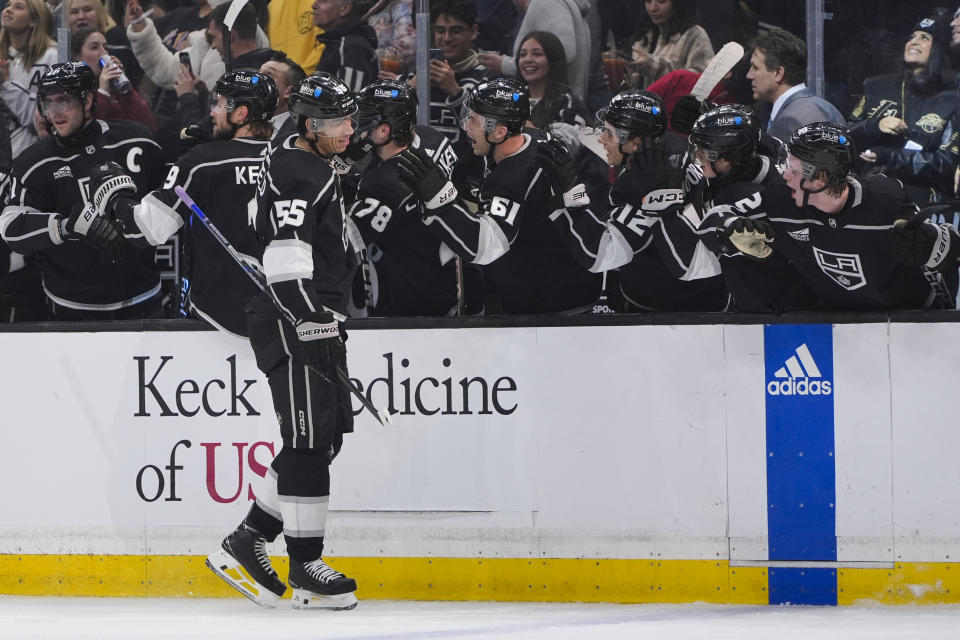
(161, 213)
(607, 240)
(507, 193)
(382, 195)
(294, 207)
(29, 222)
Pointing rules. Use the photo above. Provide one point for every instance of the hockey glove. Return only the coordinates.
(687, 111)
(86, 225)
(357, 152)
(661, 202)
(110, 185)
(685, 114)
(418, 170)
(568, 134)
(652, 157)
(320, 343)
(750, 237)
(919, 243)
(562, 173)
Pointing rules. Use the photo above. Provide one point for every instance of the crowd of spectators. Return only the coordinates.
(572, 57)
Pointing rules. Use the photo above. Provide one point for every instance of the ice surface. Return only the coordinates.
(238, 619)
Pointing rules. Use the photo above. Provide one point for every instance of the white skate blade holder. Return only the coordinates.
(303, 599)
(233, 573)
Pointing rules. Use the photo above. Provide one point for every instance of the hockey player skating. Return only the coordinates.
(627, 233)
(511, 234)
(849, 239)
(222, 177)
(412, 271)
(89, 272)
(300, 227)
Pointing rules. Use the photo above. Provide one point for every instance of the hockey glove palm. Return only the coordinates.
(750, 237)
(685, 114)
(320, 343)
(110, 184)
(918, 243)
(103, 235)
(418, 170)
(687, 111)
(562, 173)
(651, 157)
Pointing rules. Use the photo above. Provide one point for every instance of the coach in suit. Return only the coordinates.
(778, 67)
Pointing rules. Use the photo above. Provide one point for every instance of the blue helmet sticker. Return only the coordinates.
(516, 97)
(317, 92)
(738, 120)
(254, 79)
(394, 93)
(842, 139)
(655, 111)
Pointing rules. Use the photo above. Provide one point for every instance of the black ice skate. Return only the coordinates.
(243, 563)
(317, 586)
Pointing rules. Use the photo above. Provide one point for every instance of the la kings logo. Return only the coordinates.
(843, 268)
(799, 376)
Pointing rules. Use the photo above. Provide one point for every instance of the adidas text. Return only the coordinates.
(799, 387)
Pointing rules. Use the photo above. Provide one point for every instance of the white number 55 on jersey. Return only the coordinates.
(289, 212)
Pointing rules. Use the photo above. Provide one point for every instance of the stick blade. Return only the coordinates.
(385, 418)
(728, 56)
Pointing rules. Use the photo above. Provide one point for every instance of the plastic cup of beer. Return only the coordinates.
(389, 61)
(614, 68)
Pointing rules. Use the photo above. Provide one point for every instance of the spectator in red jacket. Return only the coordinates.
(87, 45)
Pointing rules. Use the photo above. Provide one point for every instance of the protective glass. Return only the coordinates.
(332, 127)
(699, 152)
(795, 165)
(482, 122)
(58, 104)
(221, 104)
(606, 132)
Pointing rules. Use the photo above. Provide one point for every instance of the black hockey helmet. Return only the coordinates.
(72, 78)
(387, 102)
(730, 132)
(321, 96)
(256, 90)
(823, 146)
(635, 113)
(500, 101)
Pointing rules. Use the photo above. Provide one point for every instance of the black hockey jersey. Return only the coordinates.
(412, 272)
(846, 258)
(525, 255)
(221, 177)
(48, 180)
(627, 238)
(301, 232)
(772, 286)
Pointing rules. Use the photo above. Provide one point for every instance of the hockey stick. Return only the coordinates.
(382, 416)
(728, 56)
(924, 214)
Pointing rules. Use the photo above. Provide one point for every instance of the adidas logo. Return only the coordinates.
(803, 235)
(799, 376)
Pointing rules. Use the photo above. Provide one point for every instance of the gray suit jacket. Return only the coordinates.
(803, 107)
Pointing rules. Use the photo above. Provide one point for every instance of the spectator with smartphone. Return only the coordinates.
(455, 70)
(89, 45)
